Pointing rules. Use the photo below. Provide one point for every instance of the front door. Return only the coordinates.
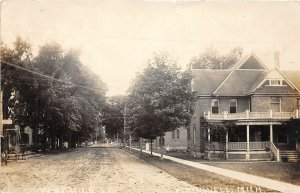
(280, 136)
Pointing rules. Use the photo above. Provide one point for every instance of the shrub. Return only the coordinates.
(284, 158)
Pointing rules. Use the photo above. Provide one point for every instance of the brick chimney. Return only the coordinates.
(277, 59)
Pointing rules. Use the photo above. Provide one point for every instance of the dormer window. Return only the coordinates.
(275, 82)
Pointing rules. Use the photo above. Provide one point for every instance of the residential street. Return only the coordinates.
(98, 168)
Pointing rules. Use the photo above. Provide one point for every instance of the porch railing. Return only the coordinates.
(237, 145)
(283, 115)
(274, 150)
(258, 145)
(261, 145)
(251, 115)
(259, 115)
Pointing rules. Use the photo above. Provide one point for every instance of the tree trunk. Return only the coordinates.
(141, 143)
(130, 143)
(161, 147)
(151, 146)
(70, 140)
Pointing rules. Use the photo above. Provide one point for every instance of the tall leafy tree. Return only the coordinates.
(160, 98)
(72, 106)
(212, 59)
(11, 82)
(53, 89)
(114, 116)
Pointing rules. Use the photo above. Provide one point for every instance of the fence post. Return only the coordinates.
(271, 113)
(225, 115)
(247, 114)
(208, 115)
(297, 114)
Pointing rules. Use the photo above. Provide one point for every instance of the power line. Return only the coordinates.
(113, 117)
(25, 77)
(32, 78)
(43, 92)
(49, 77)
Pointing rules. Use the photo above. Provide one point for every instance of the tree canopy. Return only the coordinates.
(114, 116)
(160, 99)
(212, 59)
(53, 89)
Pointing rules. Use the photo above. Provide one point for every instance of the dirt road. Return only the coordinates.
(90, 169)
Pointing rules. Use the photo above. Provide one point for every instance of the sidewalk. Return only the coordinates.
(255, 180)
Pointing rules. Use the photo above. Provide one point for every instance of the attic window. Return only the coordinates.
(275, 82)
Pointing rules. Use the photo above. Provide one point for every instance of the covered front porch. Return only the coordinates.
(251, 141)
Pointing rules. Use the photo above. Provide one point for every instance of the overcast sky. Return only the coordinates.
(116, 38)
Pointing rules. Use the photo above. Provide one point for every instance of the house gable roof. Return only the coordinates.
(205, 82)
(287, 86)
(293, 76)
(243, 75)
(249, 62)
(258, 81)
(244, 78)
(238, 83)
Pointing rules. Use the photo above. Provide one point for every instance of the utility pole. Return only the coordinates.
(96, 137)
(130, 142)
(118, 139)
(1, 126)
(35, 86)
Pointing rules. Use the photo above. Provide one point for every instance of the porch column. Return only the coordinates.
(209, 145)
(248, 145)
(271, 133)
(226, 145)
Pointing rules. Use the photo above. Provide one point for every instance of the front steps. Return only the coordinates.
(290, 155)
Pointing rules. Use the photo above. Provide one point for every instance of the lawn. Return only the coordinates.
(282, 171)
(200, 178)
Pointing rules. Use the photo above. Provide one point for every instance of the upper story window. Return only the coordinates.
(275, 82)
(188, 134)
(232, 105)
(298, 103)
(176, 134)
(276, 104)
(215, 106)
(173, 134)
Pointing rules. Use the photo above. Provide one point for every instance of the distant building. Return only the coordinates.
(173, 140)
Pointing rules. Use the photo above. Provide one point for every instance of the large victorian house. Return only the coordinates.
(255, 109)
